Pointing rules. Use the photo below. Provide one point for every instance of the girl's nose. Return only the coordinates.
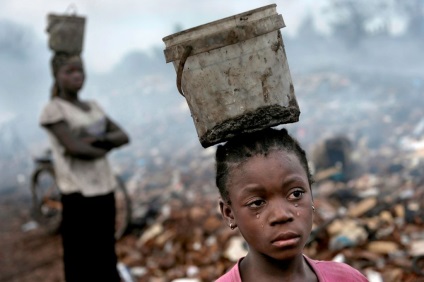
(281, 212)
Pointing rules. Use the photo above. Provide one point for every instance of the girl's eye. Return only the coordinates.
(296, 195)
(256, 203)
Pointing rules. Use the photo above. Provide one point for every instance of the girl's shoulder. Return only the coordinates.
(53, 102)
(94, 104)
(335, 271)
(233, 275)
(51, 112)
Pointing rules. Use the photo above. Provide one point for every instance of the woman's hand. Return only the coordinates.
(78, 147)
(90, 140)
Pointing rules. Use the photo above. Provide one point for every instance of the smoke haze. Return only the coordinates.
(340, 78)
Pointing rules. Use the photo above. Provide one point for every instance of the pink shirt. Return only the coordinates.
(326, 271)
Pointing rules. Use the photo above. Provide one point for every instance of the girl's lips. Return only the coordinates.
(286, 239)
(78, 84)
(286, 242)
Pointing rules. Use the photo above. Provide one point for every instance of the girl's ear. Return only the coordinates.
(226, 211)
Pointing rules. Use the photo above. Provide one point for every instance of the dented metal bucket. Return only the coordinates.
(66, 33)
(234, 74)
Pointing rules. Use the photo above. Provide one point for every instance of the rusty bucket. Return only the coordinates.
(66, 33)
(234, 74)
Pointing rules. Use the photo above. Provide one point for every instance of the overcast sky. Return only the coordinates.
(114, 28)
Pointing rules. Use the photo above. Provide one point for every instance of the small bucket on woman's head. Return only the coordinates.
(234, 74)
(66, 33)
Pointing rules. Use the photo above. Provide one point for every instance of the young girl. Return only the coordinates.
(265, 187)
(81, 135)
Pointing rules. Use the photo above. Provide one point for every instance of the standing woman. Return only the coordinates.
(81, 136)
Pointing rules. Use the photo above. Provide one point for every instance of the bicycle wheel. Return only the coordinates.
(47, 207)
(123, 209)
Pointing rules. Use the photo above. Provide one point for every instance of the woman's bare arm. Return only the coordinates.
(77, 147)
(114, 135)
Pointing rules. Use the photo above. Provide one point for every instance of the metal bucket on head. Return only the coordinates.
(234, 74)
(66, 33)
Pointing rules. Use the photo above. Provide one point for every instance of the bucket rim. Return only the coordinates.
(266, 7)
(61, 16)
(224, 37)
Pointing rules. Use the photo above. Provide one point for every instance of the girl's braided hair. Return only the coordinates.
(239, 149)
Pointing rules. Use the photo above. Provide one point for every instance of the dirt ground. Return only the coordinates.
(32, 254)
(28, 252)
(26, 255)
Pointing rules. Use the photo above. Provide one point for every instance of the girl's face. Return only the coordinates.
(271, 203)
(70, 77)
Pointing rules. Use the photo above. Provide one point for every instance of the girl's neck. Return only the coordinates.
(260, 268)
(69, 96)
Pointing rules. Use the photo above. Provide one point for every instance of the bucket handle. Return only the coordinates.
(186, 54)
(71, 8)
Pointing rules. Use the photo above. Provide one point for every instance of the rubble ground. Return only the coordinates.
(373, 223)
(371, 218)
(27, 253)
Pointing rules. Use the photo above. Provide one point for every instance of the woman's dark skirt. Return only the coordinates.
(88, 236)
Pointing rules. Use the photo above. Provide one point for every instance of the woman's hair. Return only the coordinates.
(239, 149)
(58, 60)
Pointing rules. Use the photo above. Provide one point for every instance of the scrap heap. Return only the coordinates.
(372, 219)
